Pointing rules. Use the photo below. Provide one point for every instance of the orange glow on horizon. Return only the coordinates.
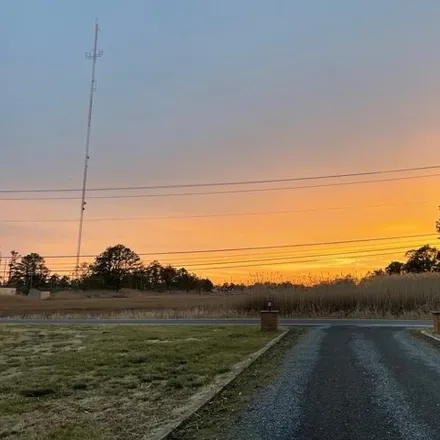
(413, 211)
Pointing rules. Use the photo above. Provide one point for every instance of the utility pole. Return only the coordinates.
(94, 55)
(5, 271)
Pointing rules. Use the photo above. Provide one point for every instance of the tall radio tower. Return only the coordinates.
(93, 55)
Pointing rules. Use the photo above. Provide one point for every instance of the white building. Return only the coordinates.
(39, 294)
(8, 291)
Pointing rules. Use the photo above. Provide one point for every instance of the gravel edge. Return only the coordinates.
(208, 393)
(430, 335)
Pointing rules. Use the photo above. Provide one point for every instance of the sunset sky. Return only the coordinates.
(213, 91)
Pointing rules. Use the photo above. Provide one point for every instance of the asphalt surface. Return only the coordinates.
(237, 321)
(350, 383)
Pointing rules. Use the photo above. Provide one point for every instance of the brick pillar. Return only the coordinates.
(436, 320)
(269, 320)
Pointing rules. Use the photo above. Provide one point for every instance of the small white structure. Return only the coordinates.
(39, 294)
(8, 291)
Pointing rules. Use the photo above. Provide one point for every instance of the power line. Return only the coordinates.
(276, 262)
(280, 263)
(250, 248)
(275, 259)
(282, 253)
(230, 183)
(238, 191)
(231, 214)
(286, 253)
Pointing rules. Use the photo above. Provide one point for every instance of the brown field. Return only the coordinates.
(76, 304)
(402, 296)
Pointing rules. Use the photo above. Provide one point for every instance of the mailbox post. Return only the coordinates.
(269, 318)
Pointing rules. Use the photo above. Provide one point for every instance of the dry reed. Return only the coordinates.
(400, 296)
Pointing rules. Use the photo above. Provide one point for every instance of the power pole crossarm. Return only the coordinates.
(93, 55)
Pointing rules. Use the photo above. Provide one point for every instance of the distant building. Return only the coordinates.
(39, 294)
(8, 291)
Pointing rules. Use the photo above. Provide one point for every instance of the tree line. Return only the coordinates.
(118, 267)
(423, 259)
(115, 268)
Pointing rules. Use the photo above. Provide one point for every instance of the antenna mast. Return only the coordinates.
(91, 56)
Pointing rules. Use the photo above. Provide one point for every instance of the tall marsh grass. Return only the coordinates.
(409, 295)
(399, 296)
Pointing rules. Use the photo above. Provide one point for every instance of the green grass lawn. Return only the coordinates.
(108, 382)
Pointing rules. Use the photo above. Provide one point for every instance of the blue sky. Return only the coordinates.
(212, 90)
(206, 80)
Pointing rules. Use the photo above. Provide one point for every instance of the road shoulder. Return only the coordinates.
(213, 419)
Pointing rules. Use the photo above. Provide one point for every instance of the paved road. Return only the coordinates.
(240, 321)
(350, 383)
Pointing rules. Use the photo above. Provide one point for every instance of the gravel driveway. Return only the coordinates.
(350, 383)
